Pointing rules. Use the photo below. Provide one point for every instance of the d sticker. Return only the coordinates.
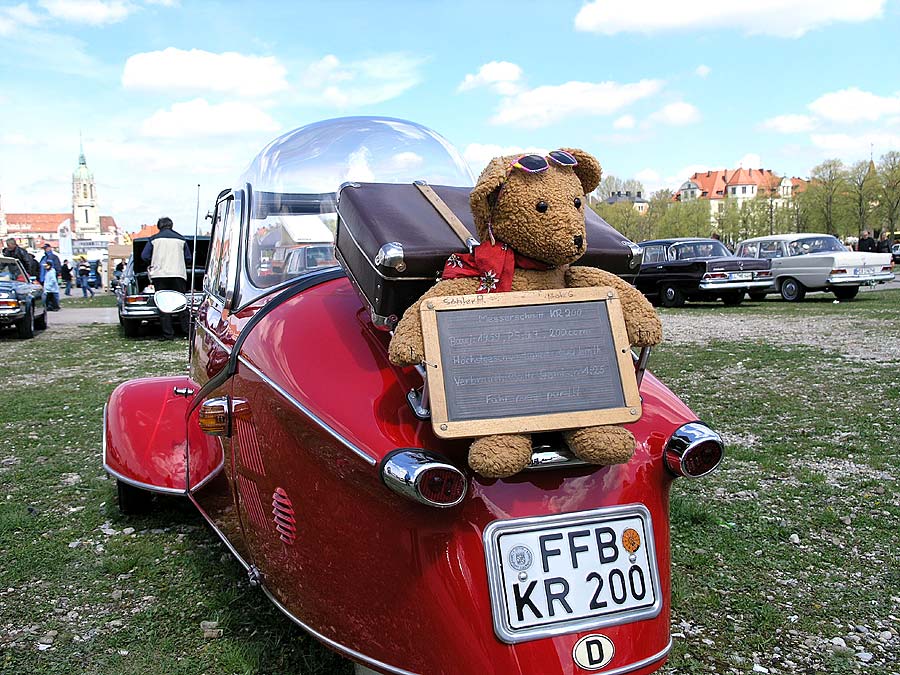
(593, 652)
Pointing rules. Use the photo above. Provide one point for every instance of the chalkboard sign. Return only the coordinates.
(528, 361)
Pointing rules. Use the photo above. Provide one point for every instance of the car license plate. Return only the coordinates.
(741, 276)
(551, 575)
(864, 271)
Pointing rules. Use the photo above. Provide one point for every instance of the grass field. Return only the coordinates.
(786, 559)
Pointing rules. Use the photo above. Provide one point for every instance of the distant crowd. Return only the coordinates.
(867, 244)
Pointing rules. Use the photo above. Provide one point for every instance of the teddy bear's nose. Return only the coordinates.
(579, 240)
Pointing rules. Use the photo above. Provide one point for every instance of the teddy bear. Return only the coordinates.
(529, 213)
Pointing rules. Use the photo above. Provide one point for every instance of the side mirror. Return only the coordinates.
(170, 302)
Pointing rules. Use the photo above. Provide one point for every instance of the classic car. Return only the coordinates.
(895, 253)
(676, 270)
(21, 299)
(134, 305)
(803, 263)
(313, 458)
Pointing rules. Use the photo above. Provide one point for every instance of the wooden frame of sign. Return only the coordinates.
(528, 361)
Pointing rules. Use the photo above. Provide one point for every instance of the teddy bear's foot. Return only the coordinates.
(601, 445)
(501, 455)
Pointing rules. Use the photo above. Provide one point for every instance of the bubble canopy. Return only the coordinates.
(320, 157)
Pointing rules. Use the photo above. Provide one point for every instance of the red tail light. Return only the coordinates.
(694, 450)
(839, 271)
(423, 477)
(763, 273)
(136, 299)
(887, 268)
(715, 275)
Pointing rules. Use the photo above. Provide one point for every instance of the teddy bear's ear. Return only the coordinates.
(588, 169)
(483, 194)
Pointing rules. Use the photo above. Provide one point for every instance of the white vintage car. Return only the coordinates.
(805, 262)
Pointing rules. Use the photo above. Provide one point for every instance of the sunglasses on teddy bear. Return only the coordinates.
(536, 163)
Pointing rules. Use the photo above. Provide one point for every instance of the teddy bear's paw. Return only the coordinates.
(501, 455)
(403, 353)
(601, 445)
(646, 333)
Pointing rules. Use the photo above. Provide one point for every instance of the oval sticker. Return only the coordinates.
(593, 652)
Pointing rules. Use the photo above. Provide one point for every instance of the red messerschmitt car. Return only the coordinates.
(314, 459)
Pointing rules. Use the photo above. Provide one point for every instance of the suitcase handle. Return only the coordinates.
(441, 207)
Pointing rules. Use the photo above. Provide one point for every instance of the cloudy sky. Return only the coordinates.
(168, 94)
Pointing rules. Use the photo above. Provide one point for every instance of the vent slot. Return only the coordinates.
(283, 510)
(248, 447)
(252, 502)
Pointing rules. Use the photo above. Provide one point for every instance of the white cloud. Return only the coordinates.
(93, 12)
(478, 154)
(196, 70)
(624, 122)
(856, 146)
(16, 15)
(781, 18)
(199, 118)
(548, 104)
(790, 124)
(501, 76)
(703, 70)
(676, 114)
(685, 172)
(359, 83)
(15, 139)
(750, 161)
(854, 105)
(406, 160)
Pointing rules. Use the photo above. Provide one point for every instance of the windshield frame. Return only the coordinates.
(714, 243)
(794, 247)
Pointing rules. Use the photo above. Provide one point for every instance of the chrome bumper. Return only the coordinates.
(143, 312)
(734, 285)
(860, 279)
(9, 314)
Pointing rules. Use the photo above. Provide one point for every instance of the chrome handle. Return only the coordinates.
(183, 391)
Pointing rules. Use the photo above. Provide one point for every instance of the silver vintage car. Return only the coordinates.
(804, 262)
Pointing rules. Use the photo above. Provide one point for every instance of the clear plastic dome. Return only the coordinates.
(319, 157)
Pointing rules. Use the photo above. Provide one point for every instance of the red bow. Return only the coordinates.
(494, 265)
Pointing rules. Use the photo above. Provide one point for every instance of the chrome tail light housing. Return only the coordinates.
(424, 477)
(694, 450)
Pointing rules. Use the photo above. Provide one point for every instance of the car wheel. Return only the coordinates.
(733, 299)
(756, 297)
(845, 292)
(131, 328)
(669, 296)
(25, 325)
(41, 322)
(132, 501)
(792, 290)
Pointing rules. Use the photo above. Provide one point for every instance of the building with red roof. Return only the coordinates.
(739, 184)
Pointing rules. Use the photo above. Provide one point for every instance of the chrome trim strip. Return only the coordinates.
(213, 474)
(545, 457)
(726, 285)
(495, 577)
(130, 481)
(309, 413)
(337, 646)
(215, 338)
(219, 532)
(863, 279)
(642, 663)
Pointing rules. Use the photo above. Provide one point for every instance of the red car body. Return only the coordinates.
(295, 488)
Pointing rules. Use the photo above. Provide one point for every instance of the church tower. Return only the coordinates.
(84, 201)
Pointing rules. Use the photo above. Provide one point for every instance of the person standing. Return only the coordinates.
(51, 287)
(13, 250)
(866, 244)
(84, 275)
(66, 276)
(168, 253)
(52, 258)
(884, 242)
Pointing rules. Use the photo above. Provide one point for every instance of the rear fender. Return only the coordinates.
(144, 429)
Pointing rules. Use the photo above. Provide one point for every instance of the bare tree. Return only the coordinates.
(863, 187)
(827, 185)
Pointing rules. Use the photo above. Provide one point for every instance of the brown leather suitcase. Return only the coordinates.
(393, 243)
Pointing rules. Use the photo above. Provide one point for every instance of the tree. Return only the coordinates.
(862, 182)
(889, 189)
(624, 217)
(827, 187)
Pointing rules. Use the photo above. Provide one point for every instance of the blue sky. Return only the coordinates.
(170, 94)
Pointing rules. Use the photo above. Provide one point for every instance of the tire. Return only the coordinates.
(845, 292)
(131, 328)
(25, 325)
(756, 297)
(41, 323)
(792, 290)
(733, 299)
(132, 501)
(669, 296)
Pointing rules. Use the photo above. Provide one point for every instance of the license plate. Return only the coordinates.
(741, 276)
(551, 575)
(864, 271)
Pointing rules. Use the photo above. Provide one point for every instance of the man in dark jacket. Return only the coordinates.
(13, 250)
(168, 254)
(866, 243)
(66, 276)
(52, 258)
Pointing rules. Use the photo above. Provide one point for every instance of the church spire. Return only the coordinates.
(81, 159)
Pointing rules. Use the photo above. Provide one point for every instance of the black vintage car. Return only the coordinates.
(135, 303)
(21, 299)
(676, 270)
